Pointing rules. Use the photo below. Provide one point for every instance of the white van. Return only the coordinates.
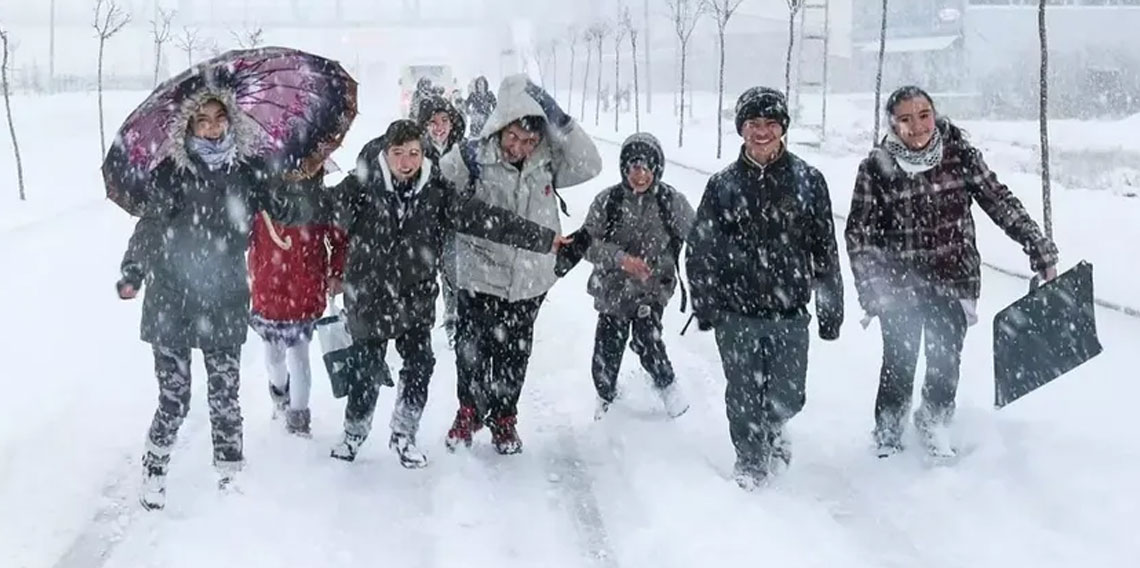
(439, 75)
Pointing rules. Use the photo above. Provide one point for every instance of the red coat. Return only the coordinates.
(289, 284)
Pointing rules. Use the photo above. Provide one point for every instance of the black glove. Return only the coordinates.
(829, 331)
(554, 113)
(706, 321)
(133, 275)
(570, 255)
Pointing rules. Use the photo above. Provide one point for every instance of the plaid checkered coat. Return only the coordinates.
(912, 234)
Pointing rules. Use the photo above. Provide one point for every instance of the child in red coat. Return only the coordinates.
(293, 272)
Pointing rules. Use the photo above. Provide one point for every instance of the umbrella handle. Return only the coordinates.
(286, 243)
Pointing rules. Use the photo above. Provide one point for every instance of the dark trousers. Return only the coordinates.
(493, 344)
(943, 321)
(223, 373)
(765, 368)
(610, 338)
(414, 347)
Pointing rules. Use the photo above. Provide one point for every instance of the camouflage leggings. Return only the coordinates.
(172, 367)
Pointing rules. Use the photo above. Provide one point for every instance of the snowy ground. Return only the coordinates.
(1047, 482)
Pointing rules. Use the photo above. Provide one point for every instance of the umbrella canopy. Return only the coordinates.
(288, 108)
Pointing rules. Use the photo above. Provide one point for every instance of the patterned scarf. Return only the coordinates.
(213, 153)
(914, 162)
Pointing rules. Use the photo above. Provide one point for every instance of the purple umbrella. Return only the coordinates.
(294, 109)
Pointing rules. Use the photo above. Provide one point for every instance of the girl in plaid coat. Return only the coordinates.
(912, 244)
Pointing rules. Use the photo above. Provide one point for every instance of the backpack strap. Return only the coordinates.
(613, 212)
(474, 168)
(676, 242)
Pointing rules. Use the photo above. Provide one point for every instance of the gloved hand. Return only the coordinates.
(129, 285)
(554, 113)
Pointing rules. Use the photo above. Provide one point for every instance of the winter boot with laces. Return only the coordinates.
(152, 494)
(405, 447)
(280, 398)
(346, 449)
(505, 435)
(466, 423)
(674, 399)
(299, 422)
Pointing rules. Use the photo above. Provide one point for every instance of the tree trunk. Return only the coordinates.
(879, 74)
(617, 85)
(788, 59)
(554, 71)
(585, 86)
(720, 93)
(648, 66)
(99, 87)
(636, 87)
(598, 92)
(681, 113)
(1046, 184)
(157, 60)
(12, 125)
(570, 91)
(51, 47)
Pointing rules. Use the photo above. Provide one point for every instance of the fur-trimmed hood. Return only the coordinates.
(246, 132)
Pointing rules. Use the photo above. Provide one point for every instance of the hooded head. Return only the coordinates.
(481, 85)
(642, 161)
(209, 126)
(445, 131)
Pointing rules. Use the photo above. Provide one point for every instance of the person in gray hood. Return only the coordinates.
(529, 150)
(636, 231)
(189, 249)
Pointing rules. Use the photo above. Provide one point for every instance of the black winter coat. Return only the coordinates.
(763, 240)
(396, 234)
(190, 249)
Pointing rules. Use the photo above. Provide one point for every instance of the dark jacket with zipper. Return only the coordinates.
(763, 241)
(189, 248)
(396, 233)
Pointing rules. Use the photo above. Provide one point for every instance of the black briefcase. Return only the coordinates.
(1044, 335)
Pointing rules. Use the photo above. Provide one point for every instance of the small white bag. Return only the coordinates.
(336, 349)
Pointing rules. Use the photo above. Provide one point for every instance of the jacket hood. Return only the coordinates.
(514, 103)
(638, 144)
(246, 132)
(435, 104)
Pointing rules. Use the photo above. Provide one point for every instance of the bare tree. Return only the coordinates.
(110, 19)
(685, 15)
(879, 73)
(189, 42)
(8, 108)
(722, 11)
(249, 39)
(160, 33)
(600, 32)
(586, 77)
(648, 66)
(619, 38)
(554, 44)
(627, 24)
(793, 9)
(1043, 119)
(574, 37)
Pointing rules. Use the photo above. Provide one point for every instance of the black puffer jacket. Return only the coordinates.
(396, 233)
(763, 240)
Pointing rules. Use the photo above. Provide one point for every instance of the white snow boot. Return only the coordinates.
(346, 449)
(152, 493)
(601, 409)
(675, 402)
(227, 476)
(749, 477)
(934, 435)
(405, 448)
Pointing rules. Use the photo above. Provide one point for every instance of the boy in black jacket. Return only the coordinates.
(763, 241)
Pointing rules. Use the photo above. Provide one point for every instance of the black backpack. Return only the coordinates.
(664, 195)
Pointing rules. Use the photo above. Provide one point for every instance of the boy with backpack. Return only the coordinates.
(636, 231)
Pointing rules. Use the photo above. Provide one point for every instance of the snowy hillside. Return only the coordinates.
(1046, 482)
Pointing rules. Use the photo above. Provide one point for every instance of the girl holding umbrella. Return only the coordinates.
(217, 138)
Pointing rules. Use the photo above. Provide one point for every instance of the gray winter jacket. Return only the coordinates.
(564, 158)
(639, 229)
